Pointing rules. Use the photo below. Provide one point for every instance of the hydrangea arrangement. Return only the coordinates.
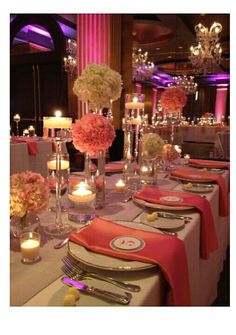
(169, 153)
(152, 145)
(29, 193)
(98, 85)
(173, 98)
(93, 132)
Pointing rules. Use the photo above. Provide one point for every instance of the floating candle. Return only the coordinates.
(120, 185)
(186, 158)
(16, 117)
(57, 122)
(81, 194)
(51, 165)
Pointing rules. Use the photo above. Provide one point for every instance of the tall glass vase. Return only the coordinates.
(58, 130)
(173, 119)
(94, 169)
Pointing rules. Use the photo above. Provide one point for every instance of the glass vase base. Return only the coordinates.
(53, 230)
(31, 260)
(78, 218)
(63, 208)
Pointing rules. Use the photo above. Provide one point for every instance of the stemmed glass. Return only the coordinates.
(16, 118)
(58, 129)
(65, 172)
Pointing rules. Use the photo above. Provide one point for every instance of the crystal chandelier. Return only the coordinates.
(70, 60)
(142, 68)
(207, 54)
(187, 83)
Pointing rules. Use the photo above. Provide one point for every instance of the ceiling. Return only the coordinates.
(168, 37)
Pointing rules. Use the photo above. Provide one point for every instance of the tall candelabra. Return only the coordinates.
(16, 118)
(58, 129)
(133, 121)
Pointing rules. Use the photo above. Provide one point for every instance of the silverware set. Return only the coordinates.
(73, 271)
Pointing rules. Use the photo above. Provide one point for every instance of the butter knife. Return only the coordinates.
(173, 216)
(103, 294)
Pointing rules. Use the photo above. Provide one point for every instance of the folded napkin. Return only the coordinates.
(208, 238)
(166, 251)
(31, 145)
(204, 175)
(207, 163)
(114, 167)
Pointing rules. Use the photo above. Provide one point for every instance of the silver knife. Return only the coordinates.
(173, 216)
(107, 295)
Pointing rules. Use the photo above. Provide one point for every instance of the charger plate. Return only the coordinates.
(104, 262)
(159, 206)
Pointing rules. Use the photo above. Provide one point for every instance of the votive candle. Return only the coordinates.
(120, 185)
(30, 247)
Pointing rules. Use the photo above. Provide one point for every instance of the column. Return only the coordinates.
(220, 104)
(93, 40)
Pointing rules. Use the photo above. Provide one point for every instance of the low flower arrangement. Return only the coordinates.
(98, 85)
(29, 194)
(173, 98)
(152, 145)
(93, 132)
(169, 153)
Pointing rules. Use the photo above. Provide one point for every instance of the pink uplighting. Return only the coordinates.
(220, 105)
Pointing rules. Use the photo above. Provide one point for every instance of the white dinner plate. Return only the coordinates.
(162, 223)
(194, 178)
(104, 262)
(159, 206)
(198, 188)
(209, 168)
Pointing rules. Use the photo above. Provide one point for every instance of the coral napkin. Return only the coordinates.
(207, 163)
(204, 175)
(208, 238)
(166, 251)
(114, 167)
(31, 145)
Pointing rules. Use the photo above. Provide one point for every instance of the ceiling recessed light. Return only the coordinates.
(169, 56)
(158, 48)
(180, 47)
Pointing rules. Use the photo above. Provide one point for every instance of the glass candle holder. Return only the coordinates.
(30, 247)
(82, 197)
(58, 129)
(64, 175)
(16, 119)
(31, 131)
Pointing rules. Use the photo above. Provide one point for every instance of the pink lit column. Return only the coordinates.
(220, 105)
(93, 37)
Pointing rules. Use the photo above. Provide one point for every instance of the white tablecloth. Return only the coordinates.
(21, 160)
(204, 274)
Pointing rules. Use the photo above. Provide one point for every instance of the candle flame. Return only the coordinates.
(58, 113)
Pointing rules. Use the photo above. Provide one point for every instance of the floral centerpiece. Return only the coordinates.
(29, 194)
(173, 98)
(169, 153)
(98, 85)
(152, 145)
(92, 133)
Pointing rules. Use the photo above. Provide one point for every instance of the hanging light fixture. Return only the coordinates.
(70, 60)
(187, 83)
(142, 68)
(207, 54)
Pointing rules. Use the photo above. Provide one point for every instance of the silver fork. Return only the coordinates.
(73, 266)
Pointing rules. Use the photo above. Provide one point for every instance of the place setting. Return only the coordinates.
(119, 183)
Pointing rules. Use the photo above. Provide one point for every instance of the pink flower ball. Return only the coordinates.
(92, 133)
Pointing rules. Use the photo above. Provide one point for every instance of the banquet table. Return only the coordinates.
(40, 284)
(21, 160)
